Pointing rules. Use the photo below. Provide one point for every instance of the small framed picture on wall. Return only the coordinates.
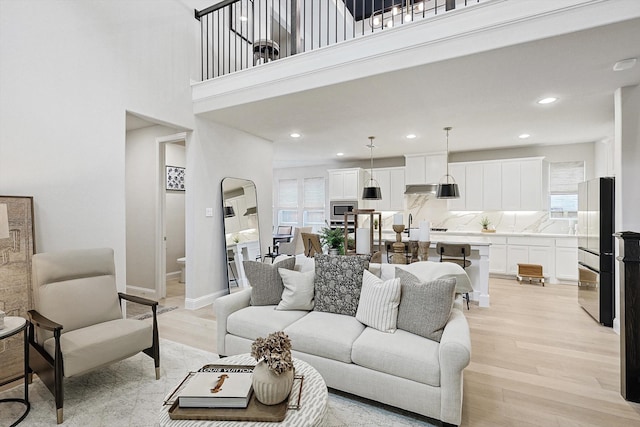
(175, 178)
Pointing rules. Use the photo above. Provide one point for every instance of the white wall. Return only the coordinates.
(216, 152)
(69, 71)
(141, 173)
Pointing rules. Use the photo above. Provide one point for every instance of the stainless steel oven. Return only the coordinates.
(338, 208)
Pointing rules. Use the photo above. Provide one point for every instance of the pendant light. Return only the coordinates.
(447, 187)
(372, 190)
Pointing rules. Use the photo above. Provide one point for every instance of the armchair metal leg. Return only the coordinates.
(59, 416)
(158, 373)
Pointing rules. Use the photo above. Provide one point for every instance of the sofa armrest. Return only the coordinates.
(223, 307)
(455, 355)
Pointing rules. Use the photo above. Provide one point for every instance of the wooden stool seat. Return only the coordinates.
(530, 271)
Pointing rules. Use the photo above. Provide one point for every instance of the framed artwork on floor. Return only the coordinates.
(175, 178)
(16, 250)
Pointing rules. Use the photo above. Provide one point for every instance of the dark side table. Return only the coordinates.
(12, 326)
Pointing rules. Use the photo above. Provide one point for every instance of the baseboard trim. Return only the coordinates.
(173, 274)
(142, 292)
(203, 301)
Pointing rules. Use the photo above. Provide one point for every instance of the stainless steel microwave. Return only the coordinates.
(339, 207)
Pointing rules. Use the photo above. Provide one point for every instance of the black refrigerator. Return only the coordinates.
(596, 221)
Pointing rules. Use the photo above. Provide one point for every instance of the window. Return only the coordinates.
(563, 189)
(313, 209)
(287, 202)
(301, 202)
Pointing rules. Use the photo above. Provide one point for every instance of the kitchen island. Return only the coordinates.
(478, 271)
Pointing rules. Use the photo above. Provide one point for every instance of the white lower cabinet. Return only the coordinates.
(516, 254)
(498, 259)
(567, 259)
(531, 250)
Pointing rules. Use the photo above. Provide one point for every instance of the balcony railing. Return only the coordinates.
(240, 34)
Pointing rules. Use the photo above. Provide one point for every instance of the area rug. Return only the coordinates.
(127, 394)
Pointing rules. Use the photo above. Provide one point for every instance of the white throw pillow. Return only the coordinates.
(298, 290)
(379, 301)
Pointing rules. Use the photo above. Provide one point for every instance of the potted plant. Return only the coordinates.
(333, 238)
(485, 222)
(273, 375)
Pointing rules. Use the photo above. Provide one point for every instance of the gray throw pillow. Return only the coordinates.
(338, 282)
(424, 307)
(266, 283)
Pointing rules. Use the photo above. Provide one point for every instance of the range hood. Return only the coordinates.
(421, 189)
(251, 211)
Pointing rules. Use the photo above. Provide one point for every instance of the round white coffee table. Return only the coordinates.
(12, 326)
(313, 403)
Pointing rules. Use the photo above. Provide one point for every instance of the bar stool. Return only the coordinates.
(457, 254)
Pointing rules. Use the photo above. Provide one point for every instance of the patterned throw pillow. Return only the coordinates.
(265, 281)
(338, 282)
(379, 300)
(425, 307)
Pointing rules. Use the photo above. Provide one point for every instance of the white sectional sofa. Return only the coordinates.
(399, 369)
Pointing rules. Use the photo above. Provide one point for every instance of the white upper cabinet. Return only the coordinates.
(491, 183)
(424, 168)
(346, 184)
(474, 187)
(508, 185)
(391, 182)
(511, 186)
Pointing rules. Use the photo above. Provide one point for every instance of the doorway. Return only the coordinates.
(155, 212)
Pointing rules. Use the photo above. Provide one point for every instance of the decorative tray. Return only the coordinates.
(255, 411)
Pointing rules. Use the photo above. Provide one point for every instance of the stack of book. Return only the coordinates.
(219, 387)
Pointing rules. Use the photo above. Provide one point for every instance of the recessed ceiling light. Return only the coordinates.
(549, 100)
(339, 154)
(524, 136)
(411, 136)
(295, 135)
(625, 64)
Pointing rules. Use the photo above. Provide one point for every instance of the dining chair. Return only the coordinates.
(456, 253)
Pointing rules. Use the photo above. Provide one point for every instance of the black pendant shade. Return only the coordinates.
(448, 191)
(229, 212)
(447, 187)
(372, 190)
(371, 193)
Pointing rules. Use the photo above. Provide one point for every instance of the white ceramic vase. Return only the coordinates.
(269, 388)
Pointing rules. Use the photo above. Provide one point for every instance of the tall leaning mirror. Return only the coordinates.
(242, 236)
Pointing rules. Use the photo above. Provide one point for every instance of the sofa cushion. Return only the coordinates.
(325, 334)
(425, 307)
(265, 281)
(91, 347)
(259, 321)
(338, 281)
(379, 300)
(298, 290)
(402, 354)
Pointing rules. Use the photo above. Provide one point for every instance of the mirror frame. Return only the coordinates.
(240, 274)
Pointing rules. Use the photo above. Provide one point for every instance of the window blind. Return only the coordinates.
(314, 193)
(288, 193)
(565, 176)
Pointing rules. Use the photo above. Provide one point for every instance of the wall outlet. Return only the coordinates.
(208, 212)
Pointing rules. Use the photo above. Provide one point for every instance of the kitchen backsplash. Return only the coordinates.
(427, 207)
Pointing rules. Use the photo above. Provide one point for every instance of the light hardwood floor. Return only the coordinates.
(537, 358)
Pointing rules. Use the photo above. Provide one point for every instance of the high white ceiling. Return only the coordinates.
(489, 99)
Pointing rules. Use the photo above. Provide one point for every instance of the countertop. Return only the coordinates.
(390, 234)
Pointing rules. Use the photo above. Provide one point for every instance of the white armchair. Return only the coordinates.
(77, 325)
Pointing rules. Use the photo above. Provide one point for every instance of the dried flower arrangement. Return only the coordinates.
(275, 350)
